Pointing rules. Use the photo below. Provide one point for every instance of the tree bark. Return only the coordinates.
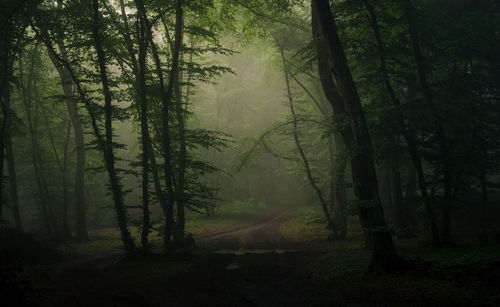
(107, 147)
(67, 85)
(6, 139)
(167, 205)
(384, 253)
(178, 194)
(62, 169)
(143, 41)
(67, 231)
(9, 155)
(27, 103)
(397, 194)
(339, 216)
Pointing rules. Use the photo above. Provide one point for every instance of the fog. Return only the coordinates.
(249, 152)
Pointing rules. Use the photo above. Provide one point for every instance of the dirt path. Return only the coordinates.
(253, 265)
(269, 272)
(260, 233)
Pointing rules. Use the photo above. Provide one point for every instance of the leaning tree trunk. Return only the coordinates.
(310, 178)
(67, 85)
(338, 222)
(107, 147)
(27, 103)
(62, 169)
(384, 253)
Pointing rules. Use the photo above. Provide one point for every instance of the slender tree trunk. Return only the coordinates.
(411, 182)
(397, 193)
(27, 102)
(438, 126)
(166, 95)
(340, 218)
(3, 129)
(9, 154)
(116, 187)
(339, 221)
(135, 67)
(67, 231)
(407, 132)
(312, 182)
(41, 164)
(143, 41)
(484, 195)
(370, 211)
(103, 144)
(180, 198)
(6, 76)
(36, 165)
(6, 139)
(62, 169)
(67, 85)
(173, 79)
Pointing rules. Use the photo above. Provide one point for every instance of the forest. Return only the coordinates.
(249, 153)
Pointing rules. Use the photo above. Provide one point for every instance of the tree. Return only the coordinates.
(67, 86)
(362, 164)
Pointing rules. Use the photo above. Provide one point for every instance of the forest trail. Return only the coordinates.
(261, 233)
(251, 265)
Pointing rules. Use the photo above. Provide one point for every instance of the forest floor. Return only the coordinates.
(277, 257)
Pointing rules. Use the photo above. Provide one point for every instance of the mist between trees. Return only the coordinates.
(145, 113)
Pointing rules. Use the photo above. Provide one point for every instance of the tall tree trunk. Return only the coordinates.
(168, 98)
(438, 126)
(6, 77)
(180, 198)
(407, 132)
(6, 139)
(484, 195)
(312, 182)
(41, 164)
(67, 85)
(9, 154)
(397, 193)
(27, 102)
(166, 95)
(3, 129)
(67, 231)
(384, 253)
(143, 41)
(62, 169)
(339, 216)
(107, 147)
(336, 201)
(411, 182)
(135, 67)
